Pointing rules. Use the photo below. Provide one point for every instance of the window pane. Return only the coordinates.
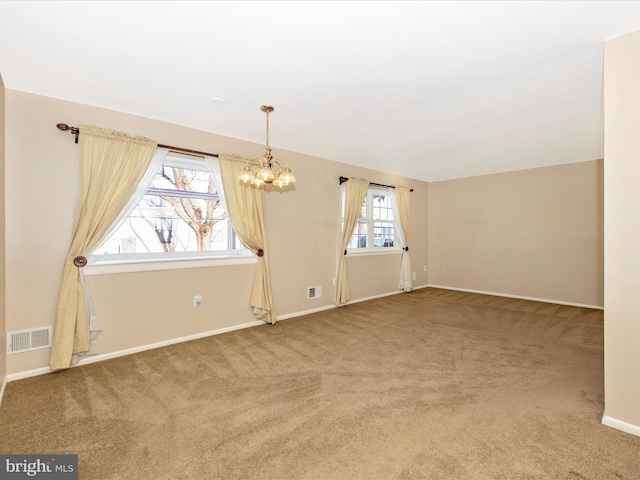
(375, 222)
(382, 207)
(171, 224)
(175, 178)
(359, 238)
(384, 234)
(180, 213)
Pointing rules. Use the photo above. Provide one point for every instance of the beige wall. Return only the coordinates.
(622, 232)
(533, 233)
(138, 309)
(3, 342)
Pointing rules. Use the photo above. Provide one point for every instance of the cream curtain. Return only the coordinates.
(401, 201)
(111, 167)
(245, 207)
(214, 169)
(94, 322)
(355, 193)
(155, 166)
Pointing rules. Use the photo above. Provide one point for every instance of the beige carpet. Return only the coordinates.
(433, 384)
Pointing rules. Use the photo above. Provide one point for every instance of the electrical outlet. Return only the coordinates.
(197, 301)
(413, 275)
(425, 268)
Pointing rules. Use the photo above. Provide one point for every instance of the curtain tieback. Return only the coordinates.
(406, 249)
(80, 261)
(260, 252)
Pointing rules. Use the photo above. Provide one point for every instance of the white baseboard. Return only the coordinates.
(520, 297)
(121, 353)
(165, 343)
(332, 306)
(4, 387)
(12, 377)
(305, 312)
(620, 425)
(396, 292)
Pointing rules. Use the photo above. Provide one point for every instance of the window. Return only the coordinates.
(375, 230)
(181, 216)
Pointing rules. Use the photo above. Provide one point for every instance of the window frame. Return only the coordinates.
(108, 263)
(372, 250)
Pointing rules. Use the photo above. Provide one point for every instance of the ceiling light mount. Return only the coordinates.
(266, 171)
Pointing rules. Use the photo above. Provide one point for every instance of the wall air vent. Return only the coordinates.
(314, 292)
(26, 340)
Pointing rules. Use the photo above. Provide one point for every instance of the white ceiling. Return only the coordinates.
(428, 90)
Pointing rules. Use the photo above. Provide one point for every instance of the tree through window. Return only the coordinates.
(180, 214)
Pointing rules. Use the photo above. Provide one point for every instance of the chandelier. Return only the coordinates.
(265, 171)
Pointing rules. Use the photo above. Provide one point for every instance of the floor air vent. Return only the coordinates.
(25, 340)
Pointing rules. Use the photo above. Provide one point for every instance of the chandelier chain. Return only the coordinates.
(267, 128)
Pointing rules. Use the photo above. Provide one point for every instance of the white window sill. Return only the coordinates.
(108, 268)
(371, 251)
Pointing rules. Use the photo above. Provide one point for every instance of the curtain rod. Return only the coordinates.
(76, 131)
(346, 179)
